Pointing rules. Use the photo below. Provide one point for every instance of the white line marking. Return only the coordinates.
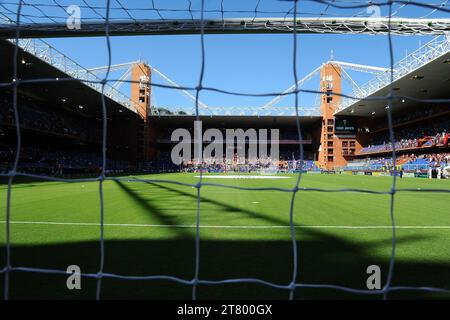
(92, 224)
(243, 177)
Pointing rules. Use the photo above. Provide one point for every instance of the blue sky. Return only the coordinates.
(243, 63)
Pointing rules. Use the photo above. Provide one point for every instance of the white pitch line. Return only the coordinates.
(242, 177)
(91, 224)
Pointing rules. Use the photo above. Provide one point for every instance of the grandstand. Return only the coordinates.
(421, 127)
(70, 136)
(61, 122)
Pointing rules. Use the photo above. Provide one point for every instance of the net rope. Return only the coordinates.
(296, 191)
(55, 11)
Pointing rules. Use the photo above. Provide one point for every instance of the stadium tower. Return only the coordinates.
(141, 95)
(334, 148)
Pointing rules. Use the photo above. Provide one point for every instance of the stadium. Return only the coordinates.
(89, 176)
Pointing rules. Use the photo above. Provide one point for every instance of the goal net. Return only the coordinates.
(22, 20)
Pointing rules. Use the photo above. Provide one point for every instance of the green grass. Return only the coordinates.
(326, 254)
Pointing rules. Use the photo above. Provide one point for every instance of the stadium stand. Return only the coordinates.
(417, 164)
(74, 124)
(61, 126)
(249, 166)
(429, 134)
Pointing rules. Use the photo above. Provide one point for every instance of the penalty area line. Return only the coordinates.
(137, 225)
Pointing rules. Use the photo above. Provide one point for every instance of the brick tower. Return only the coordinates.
(335, 148)
(141, 95)
(330, 153)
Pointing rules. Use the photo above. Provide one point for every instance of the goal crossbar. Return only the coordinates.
(321, 25)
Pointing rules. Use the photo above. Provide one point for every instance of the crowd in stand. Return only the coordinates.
(34, 117)
(431, 157)
(57, 162)
(377, 164)
(416, 115)
(436, 133)
(408, 162)
(40, 156)
(427, 160)
(247, 165)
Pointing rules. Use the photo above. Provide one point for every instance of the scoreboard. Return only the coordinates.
(345, 126)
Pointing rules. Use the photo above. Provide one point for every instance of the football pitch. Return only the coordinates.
(150, 229)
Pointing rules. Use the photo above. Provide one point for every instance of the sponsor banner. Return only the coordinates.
(368, 173)
(421, 175)
(409, 175)
(376, 174)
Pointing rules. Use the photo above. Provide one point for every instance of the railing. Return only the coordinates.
(435, 48)
(45, 52)
(237, 111)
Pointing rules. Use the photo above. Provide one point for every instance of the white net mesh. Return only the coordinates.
(40, 18)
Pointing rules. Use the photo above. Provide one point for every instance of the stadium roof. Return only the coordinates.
(429, 81)
(65, 92)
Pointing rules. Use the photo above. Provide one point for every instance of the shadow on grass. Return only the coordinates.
(323, 258)
(148, 204)
(224, 207)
